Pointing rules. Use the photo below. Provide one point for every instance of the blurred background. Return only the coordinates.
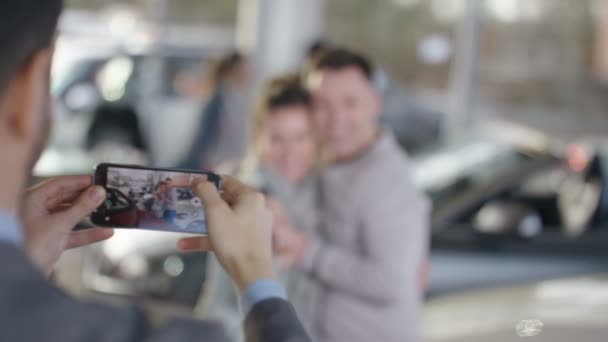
(501, 104)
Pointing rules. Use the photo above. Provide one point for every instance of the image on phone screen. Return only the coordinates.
(150, 199)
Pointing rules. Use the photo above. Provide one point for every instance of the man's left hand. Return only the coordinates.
(50, 212)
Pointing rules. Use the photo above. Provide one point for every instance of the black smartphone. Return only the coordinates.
(150, 198)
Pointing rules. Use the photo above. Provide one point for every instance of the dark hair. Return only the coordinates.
(317, 48)
(285, 91)
(158, 185)
(26, 27)
(226, 64)
(339, 59)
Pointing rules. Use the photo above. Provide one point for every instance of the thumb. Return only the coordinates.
(88, 202)
(209, 195)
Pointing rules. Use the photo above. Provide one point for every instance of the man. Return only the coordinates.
(374, 221)
(32, 309)
(170, 202)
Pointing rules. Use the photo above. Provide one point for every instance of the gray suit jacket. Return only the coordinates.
(31, 309)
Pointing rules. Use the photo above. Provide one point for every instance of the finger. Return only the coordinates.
(198, 179)
(88, 202)
(199, 243)
(209, 195)
(283, 239)
(280, 245)
(62, 200)
(234, 191)
(89, 236)
(52, 188)
(241, 196)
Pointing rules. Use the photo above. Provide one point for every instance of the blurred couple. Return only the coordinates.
(350, 229)
(165, 201)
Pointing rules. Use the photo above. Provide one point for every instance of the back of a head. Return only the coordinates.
(339, 59)
(26, 27)
(226, 65)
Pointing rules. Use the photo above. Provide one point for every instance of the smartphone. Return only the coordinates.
(152, 199)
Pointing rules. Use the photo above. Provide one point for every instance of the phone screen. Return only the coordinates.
(152, 199)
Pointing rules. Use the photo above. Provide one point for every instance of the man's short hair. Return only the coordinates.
(339, 59)
(26, 27)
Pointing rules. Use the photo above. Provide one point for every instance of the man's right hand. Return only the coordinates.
(240, 231)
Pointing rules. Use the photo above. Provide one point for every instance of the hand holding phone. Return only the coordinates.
(237, 222)
(151, 198)
(240, 231)
(50, 212)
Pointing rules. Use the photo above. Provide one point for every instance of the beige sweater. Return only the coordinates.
(374, 228)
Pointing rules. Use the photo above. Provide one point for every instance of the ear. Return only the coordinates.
(25, 97)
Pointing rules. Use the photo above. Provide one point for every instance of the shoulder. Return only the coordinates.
(388, 163)
(389, 175)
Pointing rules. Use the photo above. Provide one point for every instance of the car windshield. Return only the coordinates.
(451, 171)
(66, 76)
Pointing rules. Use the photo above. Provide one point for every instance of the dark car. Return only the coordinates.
(514, 195)
(119, 209)
(507, 215)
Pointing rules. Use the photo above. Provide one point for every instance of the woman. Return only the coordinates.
(283, 166)
(224, 123)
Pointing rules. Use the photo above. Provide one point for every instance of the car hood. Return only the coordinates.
(566, 310)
